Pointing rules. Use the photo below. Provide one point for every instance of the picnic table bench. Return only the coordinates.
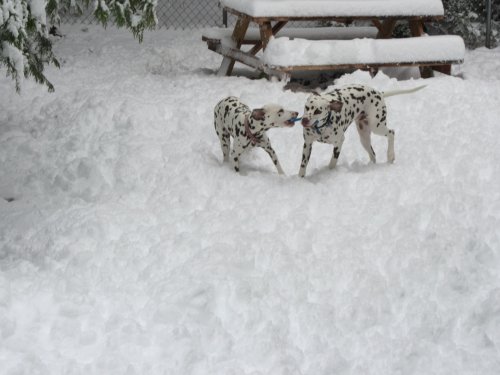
(287, 50)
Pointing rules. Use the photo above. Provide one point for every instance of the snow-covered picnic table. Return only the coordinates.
(291, 9)
(330, 48)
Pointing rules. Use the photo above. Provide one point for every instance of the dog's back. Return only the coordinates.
(229, 115)
(229, 121)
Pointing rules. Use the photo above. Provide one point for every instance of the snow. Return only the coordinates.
(286, 52)
(127, 247)
(12, 14)
(14, 56)
(335, 8)
(37, 10)
(312, 33)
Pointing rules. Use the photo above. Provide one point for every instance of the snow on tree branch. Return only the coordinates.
(25, 47)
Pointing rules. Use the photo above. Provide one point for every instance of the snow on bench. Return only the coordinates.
(321, 49)
(223, 35)
(289, 54)
(336, 8)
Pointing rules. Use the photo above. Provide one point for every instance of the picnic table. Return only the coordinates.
(286, 50)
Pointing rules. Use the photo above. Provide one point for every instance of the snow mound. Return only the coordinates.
(127, 247)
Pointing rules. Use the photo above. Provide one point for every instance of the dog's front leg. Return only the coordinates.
(267, 147)
(337, 147)
(306, 154)
(335, 156)
(235, 155)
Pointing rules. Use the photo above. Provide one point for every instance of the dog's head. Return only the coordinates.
(317, 109)
(273, 116)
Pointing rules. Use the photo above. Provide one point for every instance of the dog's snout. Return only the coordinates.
(305, 121)
(295, 114)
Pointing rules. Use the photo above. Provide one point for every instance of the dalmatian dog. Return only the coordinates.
(327, 117)
(233, 119)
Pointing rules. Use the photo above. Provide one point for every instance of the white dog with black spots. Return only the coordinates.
(247, 128)
(327, 117)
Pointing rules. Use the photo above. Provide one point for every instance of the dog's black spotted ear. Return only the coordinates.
(258, 114)
(336, 106)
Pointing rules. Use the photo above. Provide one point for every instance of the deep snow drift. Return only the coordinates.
(126, 247)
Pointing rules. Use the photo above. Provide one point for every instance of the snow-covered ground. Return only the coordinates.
(127, 247)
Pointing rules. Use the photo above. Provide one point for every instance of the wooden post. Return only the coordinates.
(416, 28)
(377, 24)
(258, 46)
(386, 30)
(426, 71)
(226, 68)
(445, 69)
(488, 23)
(266, 33)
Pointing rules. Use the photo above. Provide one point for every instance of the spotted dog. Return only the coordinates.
(233, 119)
(327, 117)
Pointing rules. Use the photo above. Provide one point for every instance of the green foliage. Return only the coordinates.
(467, 18)
(136, 15)
(25, 45)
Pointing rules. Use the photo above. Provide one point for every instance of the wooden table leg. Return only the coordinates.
(258, 46)
(387, 27)
(445, 69)
(266, 33)
(416, 28)
(239, 32)
(377, 24)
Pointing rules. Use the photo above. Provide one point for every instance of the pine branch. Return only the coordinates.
(25, 46)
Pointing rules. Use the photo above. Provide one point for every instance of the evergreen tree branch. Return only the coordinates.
(25, 46)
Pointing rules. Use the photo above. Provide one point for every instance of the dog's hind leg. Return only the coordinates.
(365, 135)
(389, 133)
(382, 129)
(390, 146)
(223, 136)
(225, 142)
(238, 149)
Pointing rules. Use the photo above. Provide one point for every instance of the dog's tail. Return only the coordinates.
(401, 92)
